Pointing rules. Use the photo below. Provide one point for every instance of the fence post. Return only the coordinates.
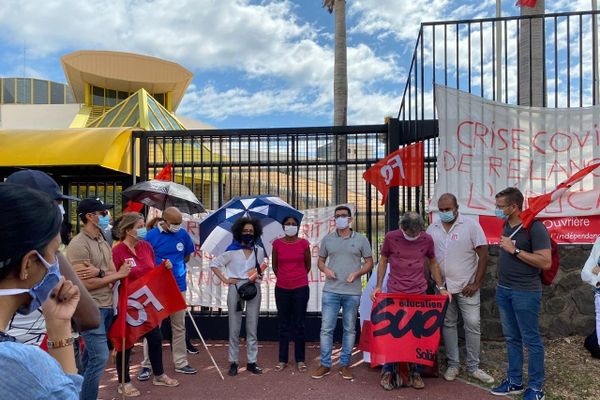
(392, 205)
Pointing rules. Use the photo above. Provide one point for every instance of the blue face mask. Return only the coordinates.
(500, 213)
(140, 233)
(248, 239)
(103, 221)
(39, 292)
(447, 216)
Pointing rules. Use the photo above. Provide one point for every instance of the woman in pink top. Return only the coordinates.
(291, 264)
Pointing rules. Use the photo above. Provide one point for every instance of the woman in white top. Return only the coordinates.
(591, 274)
(240, 261)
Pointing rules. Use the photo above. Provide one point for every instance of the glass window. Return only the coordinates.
(9, 90)
(57, 93)
(23, 91)
(70, 96)
(97, 96)
(125, 110)
(111, 97)
(160, 97)
(40, 92)
(122, 96)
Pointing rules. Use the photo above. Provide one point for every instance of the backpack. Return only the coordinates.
(547, 275)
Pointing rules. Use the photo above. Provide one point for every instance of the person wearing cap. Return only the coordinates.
(30, 278)
(172, 243)
(31, 329)
(91, 256)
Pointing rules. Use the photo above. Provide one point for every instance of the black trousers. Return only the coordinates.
(154, 338)
(291, 312)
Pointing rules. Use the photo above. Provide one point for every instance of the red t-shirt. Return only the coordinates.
(291, 273)
(142, 262)
(407, 262)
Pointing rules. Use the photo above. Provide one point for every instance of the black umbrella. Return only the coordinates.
(164, 194)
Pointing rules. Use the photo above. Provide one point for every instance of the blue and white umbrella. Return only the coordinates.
(215, 229)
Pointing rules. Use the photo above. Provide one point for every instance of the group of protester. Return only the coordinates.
(74, 293)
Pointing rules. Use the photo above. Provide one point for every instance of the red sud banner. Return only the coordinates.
(404, 328)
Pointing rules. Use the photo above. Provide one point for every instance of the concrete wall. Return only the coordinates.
(37, 116)
(567, 305)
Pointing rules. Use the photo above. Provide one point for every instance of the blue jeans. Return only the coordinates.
(332, 302)
(520, 317)
(95, 355)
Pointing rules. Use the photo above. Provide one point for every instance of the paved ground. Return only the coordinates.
(287, 385)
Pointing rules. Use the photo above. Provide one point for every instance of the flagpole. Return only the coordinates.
(204, 343)
(123, 369)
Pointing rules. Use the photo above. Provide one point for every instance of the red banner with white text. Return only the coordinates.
(405, 328)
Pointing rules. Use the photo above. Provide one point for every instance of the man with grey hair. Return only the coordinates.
(408, 250)
(461, 249)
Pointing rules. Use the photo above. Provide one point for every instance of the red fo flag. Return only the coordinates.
(404, 167)
(526, 3)
(537, 204)
(165, 174)
(149, 300)
(406, 328)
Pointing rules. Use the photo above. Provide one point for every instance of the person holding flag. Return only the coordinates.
(138, 253)
(525, 253)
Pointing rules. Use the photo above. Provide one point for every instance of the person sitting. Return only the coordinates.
(30, 278)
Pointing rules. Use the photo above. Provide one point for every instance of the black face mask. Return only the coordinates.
(248, 239)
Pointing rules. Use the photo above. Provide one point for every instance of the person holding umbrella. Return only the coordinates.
(291, 264)
(239, 260)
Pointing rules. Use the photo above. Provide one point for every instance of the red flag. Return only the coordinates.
(366, 333)
(150, 299)
(406, 328)
(526, 3)
(538, 203)
(165, 174)
(404, 167)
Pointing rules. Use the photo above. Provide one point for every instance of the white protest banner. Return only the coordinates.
(205, 288)
(486, 147)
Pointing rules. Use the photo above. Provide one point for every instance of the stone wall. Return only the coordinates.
(567, 305)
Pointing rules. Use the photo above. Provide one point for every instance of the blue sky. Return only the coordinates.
(255, 63)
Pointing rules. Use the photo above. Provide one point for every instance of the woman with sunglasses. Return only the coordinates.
(291, 264)
(138, 253)
(30, 278)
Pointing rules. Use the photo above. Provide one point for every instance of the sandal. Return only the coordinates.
(302, 366)
(164, 380)
(280, 366)
(128, 390)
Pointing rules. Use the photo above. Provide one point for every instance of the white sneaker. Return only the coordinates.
(451, 373)
(482, 376)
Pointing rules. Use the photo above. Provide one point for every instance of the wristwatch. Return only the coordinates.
(101, 273)
(57, 344)
(440, 288)
(516, 252)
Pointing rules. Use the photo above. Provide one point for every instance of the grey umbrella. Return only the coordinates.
(163, 194)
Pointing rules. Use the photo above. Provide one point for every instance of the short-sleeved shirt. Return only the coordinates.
(237, 264)
(142, 261)
(344, 256)
(291, 273)
(514, 273)
(32, 374)
(455, 250)
(407, 261)
(174, 247)
(97, 251)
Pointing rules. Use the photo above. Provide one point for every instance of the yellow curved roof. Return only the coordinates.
(107, 147)
(127, 72)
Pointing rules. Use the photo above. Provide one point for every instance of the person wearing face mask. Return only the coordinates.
(136, 252)
(461, 250)
(291, 262)
(30, 278)
(239, 261)
(170, 242)
(524, 253)
(91, 257)
(408, 250)
(344, 257)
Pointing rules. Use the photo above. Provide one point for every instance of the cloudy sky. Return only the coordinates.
(256, 63)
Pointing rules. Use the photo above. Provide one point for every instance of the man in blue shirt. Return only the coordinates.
(170, 242)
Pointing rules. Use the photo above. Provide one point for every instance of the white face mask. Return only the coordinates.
(174, 228)
(290, 230)
(62, 209)
(410, 238)
(342, 222)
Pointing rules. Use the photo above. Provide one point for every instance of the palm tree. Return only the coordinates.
(532, 80)
(340, 96)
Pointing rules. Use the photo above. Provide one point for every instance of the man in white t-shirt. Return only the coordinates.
(461, 250)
